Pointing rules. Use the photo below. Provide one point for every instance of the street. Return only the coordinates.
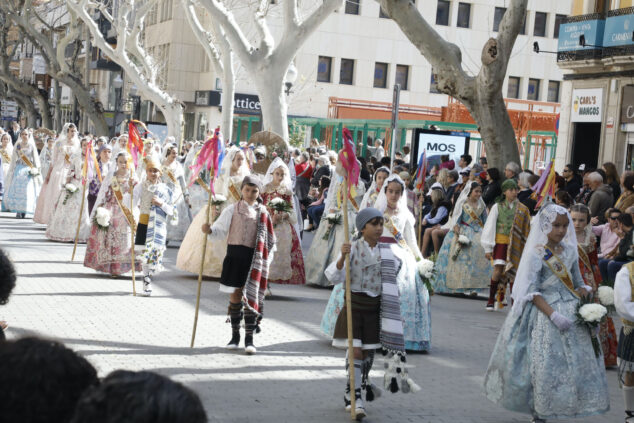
(296, 374)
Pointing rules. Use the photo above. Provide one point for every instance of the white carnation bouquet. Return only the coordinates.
(102, 218)
(218, 200)
(461, 241)
(606, 298)
(591, 315)
(34, 171)
(426, 270)
(70, 190)
(279, 205)
(332, 219)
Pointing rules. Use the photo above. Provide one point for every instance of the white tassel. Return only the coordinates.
(412, 385)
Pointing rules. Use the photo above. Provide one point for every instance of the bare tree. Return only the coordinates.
(34, 20)
(220, 55)
(9, 52)
(266, 62)
(481, 94)
(128, 21)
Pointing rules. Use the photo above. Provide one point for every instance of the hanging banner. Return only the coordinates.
(587, 105)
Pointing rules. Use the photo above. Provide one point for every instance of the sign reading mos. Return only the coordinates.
(438, 143)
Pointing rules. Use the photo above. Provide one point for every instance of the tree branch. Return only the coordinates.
(204, 37)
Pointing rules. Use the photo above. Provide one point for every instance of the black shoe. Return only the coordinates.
(234, 344)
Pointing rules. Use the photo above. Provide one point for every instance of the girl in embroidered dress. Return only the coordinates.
(103, 155)
(155, 202)
(248, 230)
(414, 297)
(288, 265)
(329, 236)
(233, 170)
(369, 198)
(543, 362)
(65, 147)
(6, 151)
(108, 248)
(589, 267)
(199, 190)
(174, 178)
(62, 225)
(46, 155)
(23, 179)
(461, 267)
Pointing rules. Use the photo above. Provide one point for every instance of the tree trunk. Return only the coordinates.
(26, 104)
(228, 94)
(269, 83)
(88, 106)
(495, 129)
(173, 114)
(58, 107)
(45, 111)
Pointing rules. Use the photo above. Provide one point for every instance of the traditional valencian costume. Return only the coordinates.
(22, 180)
(504, 236)
(95, 183)
(288, 264)
(63, 150)
(199, 191)
(174, 177)
(329, 236)
(108, 248)
(227, 186)
(545, 365)
(624, 304)
(62, 226)
(369, 198)
(462, 267)
(414, 296)
(153, 219)
(6, 151)
(248, 231)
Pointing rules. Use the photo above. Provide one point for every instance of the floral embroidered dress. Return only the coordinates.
(108, 250)
(61, 165)
(22, 188)
(414, 297)
(62, 225)
(174, 177)
(589, 267)
(538, 369)
(287, 266)
(464, 268)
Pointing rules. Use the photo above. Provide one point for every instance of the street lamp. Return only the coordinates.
(133, 90)
(117, 83)
(289, 79)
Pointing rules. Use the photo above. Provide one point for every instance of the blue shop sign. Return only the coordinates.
(618, 31)
(569, 35)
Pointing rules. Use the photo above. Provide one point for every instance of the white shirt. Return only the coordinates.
(623, 295)
(337, 276)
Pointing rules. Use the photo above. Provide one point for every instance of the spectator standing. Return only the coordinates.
(584, 195)
(14, 132)
(406, 155)
(452, 180)
(573, 180)
(445, 163)
(626, 199)
(304, 172)
(484, 163)
(512, 171)
(525, 192)
(613, 179)
(601, 198)
(492, 190)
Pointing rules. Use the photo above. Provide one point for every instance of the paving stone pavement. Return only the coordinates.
(296, 375)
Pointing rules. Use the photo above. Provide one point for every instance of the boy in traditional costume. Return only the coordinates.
(154, 200)
(624, 303)
(248, 229)
(503, 239)
(375, 301)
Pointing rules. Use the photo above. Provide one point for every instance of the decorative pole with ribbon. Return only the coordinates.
(132, 229)
(84, 177)
(348, 159)
(211, 156)
(421, 173)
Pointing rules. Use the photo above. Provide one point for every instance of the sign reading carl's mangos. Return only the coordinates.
(627, 104)
(587, 105)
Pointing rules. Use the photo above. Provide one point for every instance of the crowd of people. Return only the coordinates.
(470, 229)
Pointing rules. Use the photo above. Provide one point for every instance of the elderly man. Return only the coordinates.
(512, 171)
(601, 197)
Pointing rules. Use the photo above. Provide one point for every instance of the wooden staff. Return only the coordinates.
(420, 222)
(349, 302)
(81, 212)
(132, 231)
(210, 217)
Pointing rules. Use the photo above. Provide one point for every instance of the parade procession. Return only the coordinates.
(331, 246)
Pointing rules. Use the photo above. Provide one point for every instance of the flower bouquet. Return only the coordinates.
(279, 205)
(217, 201)
(70, 190)
(462, 241)
(332, 219)
(591, 315)
(34, 171)
(426, 271)
(606, 298)
(102, 218)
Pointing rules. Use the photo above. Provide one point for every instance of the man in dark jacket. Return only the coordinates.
(453, 184)
(573, 181)
(601, 198)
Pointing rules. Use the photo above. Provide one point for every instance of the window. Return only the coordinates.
(380, 75)
(553, 91)
(497, 18)
(513, 88)
(433, 87)
(324, 65)
(464, 15)
(352, 7)
(346, 72)
(533, 89)
(558, 20)
(166, 10)
(539, 29)
(402, 76)
(442, 13)
(382, 14)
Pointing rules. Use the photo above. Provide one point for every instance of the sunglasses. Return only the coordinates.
(614, 217)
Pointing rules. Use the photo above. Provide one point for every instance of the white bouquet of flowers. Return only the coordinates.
(332, 219)
(591, 315)
(34, 171)
(102, 218)
(70, 190)
(461, 241)
(606, 296)
(280, 205)
(218, 199)
(426, 270)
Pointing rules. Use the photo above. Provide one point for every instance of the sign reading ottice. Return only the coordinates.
(243, 103)
(627, 104)
(587, 105)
